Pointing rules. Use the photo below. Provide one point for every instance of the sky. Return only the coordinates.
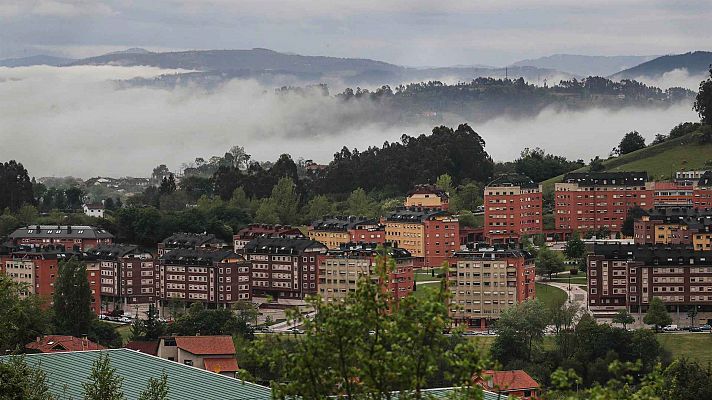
(405, 32)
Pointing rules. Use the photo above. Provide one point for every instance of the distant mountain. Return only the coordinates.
(584, 66)
(40, 59)
(696, 63)
(133, 50)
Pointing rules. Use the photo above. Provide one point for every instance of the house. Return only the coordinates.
(66, 372)
(516, 383)
(60, 343)
(211, 353)
(94, 210)
(60, 237)
(143, 346)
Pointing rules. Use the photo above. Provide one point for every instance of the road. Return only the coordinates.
(574, 293)
(287, 325)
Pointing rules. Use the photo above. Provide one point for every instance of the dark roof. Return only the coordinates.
(413, 214)
(705, 179)
(492, 254)
(262, 245)
(60, 231)
(695, 218)
(95, 206)
(427, 189)
(148, 347)
(679, 255)
(60, 343)
(113, 250)
(513, 180)
(340, 223)
(607, 178)
(255, 230)
(367, 250)
(197, 257)
(67, 371)
(189, 240)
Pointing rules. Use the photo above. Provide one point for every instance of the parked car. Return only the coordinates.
(295, 330)
(695, 329)
(706, 327)
(670, 328)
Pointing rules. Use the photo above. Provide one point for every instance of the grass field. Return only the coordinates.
(124, 331)
(549, 295)
(421, 290)
(425, 275)
(695, 346)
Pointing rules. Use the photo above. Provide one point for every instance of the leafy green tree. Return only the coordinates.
(468, 218)
(318, 207)
(575, 248)
(157, 389)
(692, 314)
(16, 186)
(199, 320)
(267, 212)
(686, 380)
(104, 383)
(657, 315)
(239, 199)
(468, 197)
(703, 102)
(168, 185)
(520, 332)
(623, 317)
(72, 299)
(22, 319)
(286, 201)
(19, 381)
(540, 166)
(444, 182)
(153, 327)
(359, 203)
(596, 165)
(628, 227)
(548, 262)
(631, 142)
(104, 333)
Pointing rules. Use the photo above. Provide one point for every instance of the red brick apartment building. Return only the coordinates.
(485, 282)
(336, 231)
(190, 241)
(340, 270)
(629, 276)
(513, 207)
(252, 231)
(39, 270)
(703, 191)
(597, 200)
(129, 277)
(368, 232)
(284, 267)
(215, 278)
(60, 237)
(429, 235)
(673, 226)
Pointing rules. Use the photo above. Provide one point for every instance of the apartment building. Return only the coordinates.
(190, 241)
(336, 231)
(370, 231)
(673, 193)
(39, 270)
(214, 277)
(600, 200)
(485, 282)
(60, 237)
(629, 276)
(129, 277)
(252, 231)
(513, 207)
(284, 267)
(431, 235)
(673, 226)
(427, 196)
(340, 270)
(703, 191)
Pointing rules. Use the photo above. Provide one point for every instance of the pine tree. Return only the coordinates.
(104, 383)
(72, 299)
(157, 389)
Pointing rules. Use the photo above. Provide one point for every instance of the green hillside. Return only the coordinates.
(660, 161)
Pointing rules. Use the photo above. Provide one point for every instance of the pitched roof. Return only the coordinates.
(148, 347)
(206, 345)
(219, 365)
(67, 372)
(113, 250)
(509, 180)
(188, 240)
(283, 245)
(59, 343)
(508, 380)
(607, 178)
(413, 214)
(198, 257)
(61, 231)
(340, 223)
(428, 189)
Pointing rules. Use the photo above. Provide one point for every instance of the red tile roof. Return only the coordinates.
(206, 345)
(59, 343)
(507, 380)
(219, 365)
(143, 346)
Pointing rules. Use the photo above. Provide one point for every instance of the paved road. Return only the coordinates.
(575, 293)
(286, 325)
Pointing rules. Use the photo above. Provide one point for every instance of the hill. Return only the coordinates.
(585, 65)
(660, 161)
(40, 59)
(696, 63)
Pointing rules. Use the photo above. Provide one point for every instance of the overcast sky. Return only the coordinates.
(406, 32)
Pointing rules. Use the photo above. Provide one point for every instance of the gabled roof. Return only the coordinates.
(112, 250)
(191, 240)
(414, 214)
(60, 231)
(607, 178)
(148, 347)
(428, 189)
(206, 345)
(67, 371)
(219, 365)
(340, 223)
(60, 343)
(510, 180)
(198, 257)
(270, 245)
(94, 206)
(508, 381)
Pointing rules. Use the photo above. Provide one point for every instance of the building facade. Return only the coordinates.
(485, 282)
(513, 207)
(283, 267)
(60, 237)
(336, 231)
(252, 231)
(673, 226)
(427, 196)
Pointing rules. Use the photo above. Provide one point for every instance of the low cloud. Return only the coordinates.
(676, 78)
(77, 121)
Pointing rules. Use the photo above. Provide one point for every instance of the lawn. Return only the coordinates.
(695, 346)
(575, 279)
(422, 290)
(425, 275)
(550, 295)
(124, 331)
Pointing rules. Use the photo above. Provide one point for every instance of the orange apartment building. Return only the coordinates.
(427, 196)
(336, 231)
(431, 235)
(513, 207)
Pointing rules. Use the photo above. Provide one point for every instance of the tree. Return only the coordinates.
(596, 165)
(548, 262)
(153, 327)
(240, 158)
(168, 185)
(16, 186)
(159, 173)
(631, 142)
(468, 197)
(104, 333)
(444, 182)
(703, 102)
(686, 380)
(22, 318)
(657, 315)
(628, 227)
(72, 299)
(692, 314)
(659, 138)
(286, 201)
(19, 381)
(318, 207)
(267, 212)
(520, 331)
(539, 166)
(575, 248)
(360, 204)
(104, 383)
(199, 320)
(157, 389)
(623, 317)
